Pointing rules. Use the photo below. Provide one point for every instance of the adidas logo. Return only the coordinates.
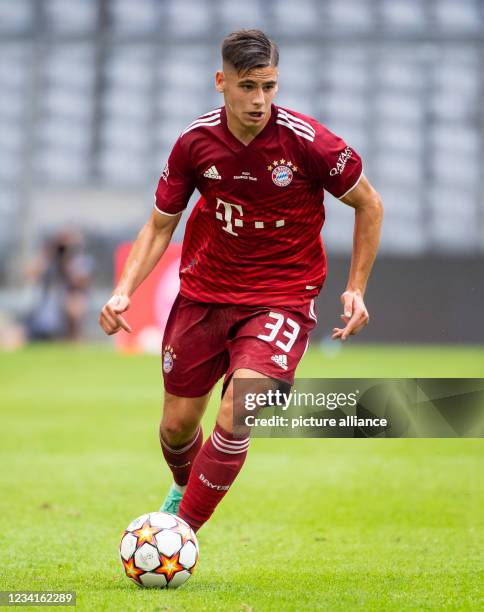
(281, 360)
(212, 173)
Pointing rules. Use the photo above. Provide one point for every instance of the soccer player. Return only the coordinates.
(252, 261)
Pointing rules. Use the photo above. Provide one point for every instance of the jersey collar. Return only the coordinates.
(261, 136)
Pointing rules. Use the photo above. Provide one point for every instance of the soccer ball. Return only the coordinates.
(159, 550)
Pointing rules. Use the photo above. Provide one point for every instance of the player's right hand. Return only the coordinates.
(110, 318)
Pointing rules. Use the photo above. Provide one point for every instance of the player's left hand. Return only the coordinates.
(355, 315)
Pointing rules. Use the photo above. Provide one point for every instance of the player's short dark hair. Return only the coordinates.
(248, 49)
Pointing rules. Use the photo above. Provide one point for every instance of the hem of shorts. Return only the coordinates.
(179, 392)
(229, 374)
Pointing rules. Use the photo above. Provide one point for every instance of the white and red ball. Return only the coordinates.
(159, 550)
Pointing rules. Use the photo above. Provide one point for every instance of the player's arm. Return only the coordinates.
(149, 246)
(368, 218)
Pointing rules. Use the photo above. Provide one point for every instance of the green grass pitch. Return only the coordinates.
(309, 524)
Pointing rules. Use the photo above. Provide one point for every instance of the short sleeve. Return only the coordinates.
(337, 166)
(176, 183)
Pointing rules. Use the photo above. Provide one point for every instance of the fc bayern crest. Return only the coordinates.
(168, 359)
(282, 172)
(282, 176)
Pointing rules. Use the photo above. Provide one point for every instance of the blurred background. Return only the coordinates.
(93, 94)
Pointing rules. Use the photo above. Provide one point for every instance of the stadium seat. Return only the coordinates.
(398, 137)
(463, 16)
(16, 17)
(127, 135)
(233, 18)
(296, 18)
(126, 103)
(189, 17)
(130, 65)
(134, 17)
(350, 15)
(408, 15)
(75, 16)
(61, 166)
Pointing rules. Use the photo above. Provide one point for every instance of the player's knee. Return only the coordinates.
(176, 431)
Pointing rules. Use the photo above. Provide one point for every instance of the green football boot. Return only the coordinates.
(172, 500)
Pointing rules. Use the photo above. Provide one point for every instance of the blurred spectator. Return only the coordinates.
(62, 273)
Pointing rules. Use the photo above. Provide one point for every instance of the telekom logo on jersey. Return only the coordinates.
(232, 221)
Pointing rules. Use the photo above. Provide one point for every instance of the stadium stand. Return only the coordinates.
(95, 93)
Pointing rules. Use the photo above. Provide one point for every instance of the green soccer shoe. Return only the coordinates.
(172, 501)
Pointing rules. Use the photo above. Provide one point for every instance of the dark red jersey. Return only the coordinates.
(255, 235)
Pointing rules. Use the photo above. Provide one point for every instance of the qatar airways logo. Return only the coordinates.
(232, 215)
(341, 163)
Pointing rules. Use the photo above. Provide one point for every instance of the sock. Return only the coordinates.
(214, 470)
(180, 458)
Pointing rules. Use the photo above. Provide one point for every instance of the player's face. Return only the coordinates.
(248, 96)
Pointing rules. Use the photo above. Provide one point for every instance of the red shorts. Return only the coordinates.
(204, 341)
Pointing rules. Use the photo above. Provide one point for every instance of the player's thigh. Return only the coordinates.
(268, 345)
(272, 342)
(181, 417)
(194, 348)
